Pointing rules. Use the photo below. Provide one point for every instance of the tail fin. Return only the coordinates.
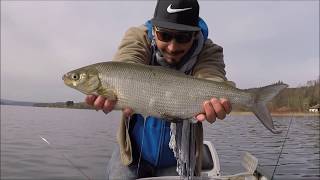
(261, 97)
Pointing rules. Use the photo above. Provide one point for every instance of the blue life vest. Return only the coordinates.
(154, 147)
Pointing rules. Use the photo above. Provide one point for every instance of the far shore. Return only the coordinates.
(280, 113)
(244, 113)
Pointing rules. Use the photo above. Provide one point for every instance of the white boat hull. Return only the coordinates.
(249, 162)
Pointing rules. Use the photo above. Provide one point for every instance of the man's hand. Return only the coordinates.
(215, 108)
(106, 105)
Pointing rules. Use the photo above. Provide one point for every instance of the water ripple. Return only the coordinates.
(87, 138)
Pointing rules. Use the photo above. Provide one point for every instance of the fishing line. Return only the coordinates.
(190, 172)
(72, 164)
(285, 139)
(139, 161)
(65, 157)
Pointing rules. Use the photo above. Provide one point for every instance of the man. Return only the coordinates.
(175, 38)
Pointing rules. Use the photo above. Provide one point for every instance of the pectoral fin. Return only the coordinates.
(108, 93)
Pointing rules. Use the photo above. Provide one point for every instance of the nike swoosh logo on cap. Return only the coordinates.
(170, 10)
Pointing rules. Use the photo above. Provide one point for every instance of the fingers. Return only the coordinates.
(226, 105)
(210, 113)
(201, 117)
(213, 109)
(106, 105)
(218, 108)
(100, 103)
(127, 112)
(90, 99)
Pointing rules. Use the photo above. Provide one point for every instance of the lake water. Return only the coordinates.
(87, 138)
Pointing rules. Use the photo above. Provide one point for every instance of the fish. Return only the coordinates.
(166, 93)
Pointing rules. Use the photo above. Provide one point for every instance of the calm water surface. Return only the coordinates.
(87, 138)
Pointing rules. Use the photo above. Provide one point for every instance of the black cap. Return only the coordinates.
(177, 14)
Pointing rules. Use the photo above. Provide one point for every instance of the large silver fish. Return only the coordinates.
(165, 93)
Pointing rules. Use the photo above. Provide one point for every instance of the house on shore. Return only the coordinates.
(69, 103)
(315, 108)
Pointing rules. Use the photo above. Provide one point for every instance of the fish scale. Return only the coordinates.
(166, 93)
(162, 95)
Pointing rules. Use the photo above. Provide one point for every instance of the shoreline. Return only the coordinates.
(278, 113)
(241, 113)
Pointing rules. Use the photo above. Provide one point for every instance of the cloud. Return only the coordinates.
(266, 41)
(41, 40)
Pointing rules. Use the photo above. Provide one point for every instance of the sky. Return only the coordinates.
(263, 41)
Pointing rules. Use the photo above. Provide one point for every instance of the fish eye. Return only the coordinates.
(75, 76)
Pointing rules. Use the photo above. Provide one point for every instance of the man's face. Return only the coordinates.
(173, 44)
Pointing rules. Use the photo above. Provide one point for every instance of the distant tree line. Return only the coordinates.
(297, 99)
(67, 104)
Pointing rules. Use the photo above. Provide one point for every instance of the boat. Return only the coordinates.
(211, 167)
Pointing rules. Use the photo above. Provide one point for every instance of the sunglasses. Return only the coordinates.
(167, 36)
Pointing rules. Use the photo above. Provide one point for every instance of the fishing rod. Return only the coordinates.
(72, 164)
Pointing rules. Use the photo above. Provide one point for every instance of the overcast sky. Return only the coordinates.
(41, 40)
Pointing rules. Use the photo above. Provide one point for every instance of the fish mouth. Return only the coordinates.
(64, 77)
(66, 80)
